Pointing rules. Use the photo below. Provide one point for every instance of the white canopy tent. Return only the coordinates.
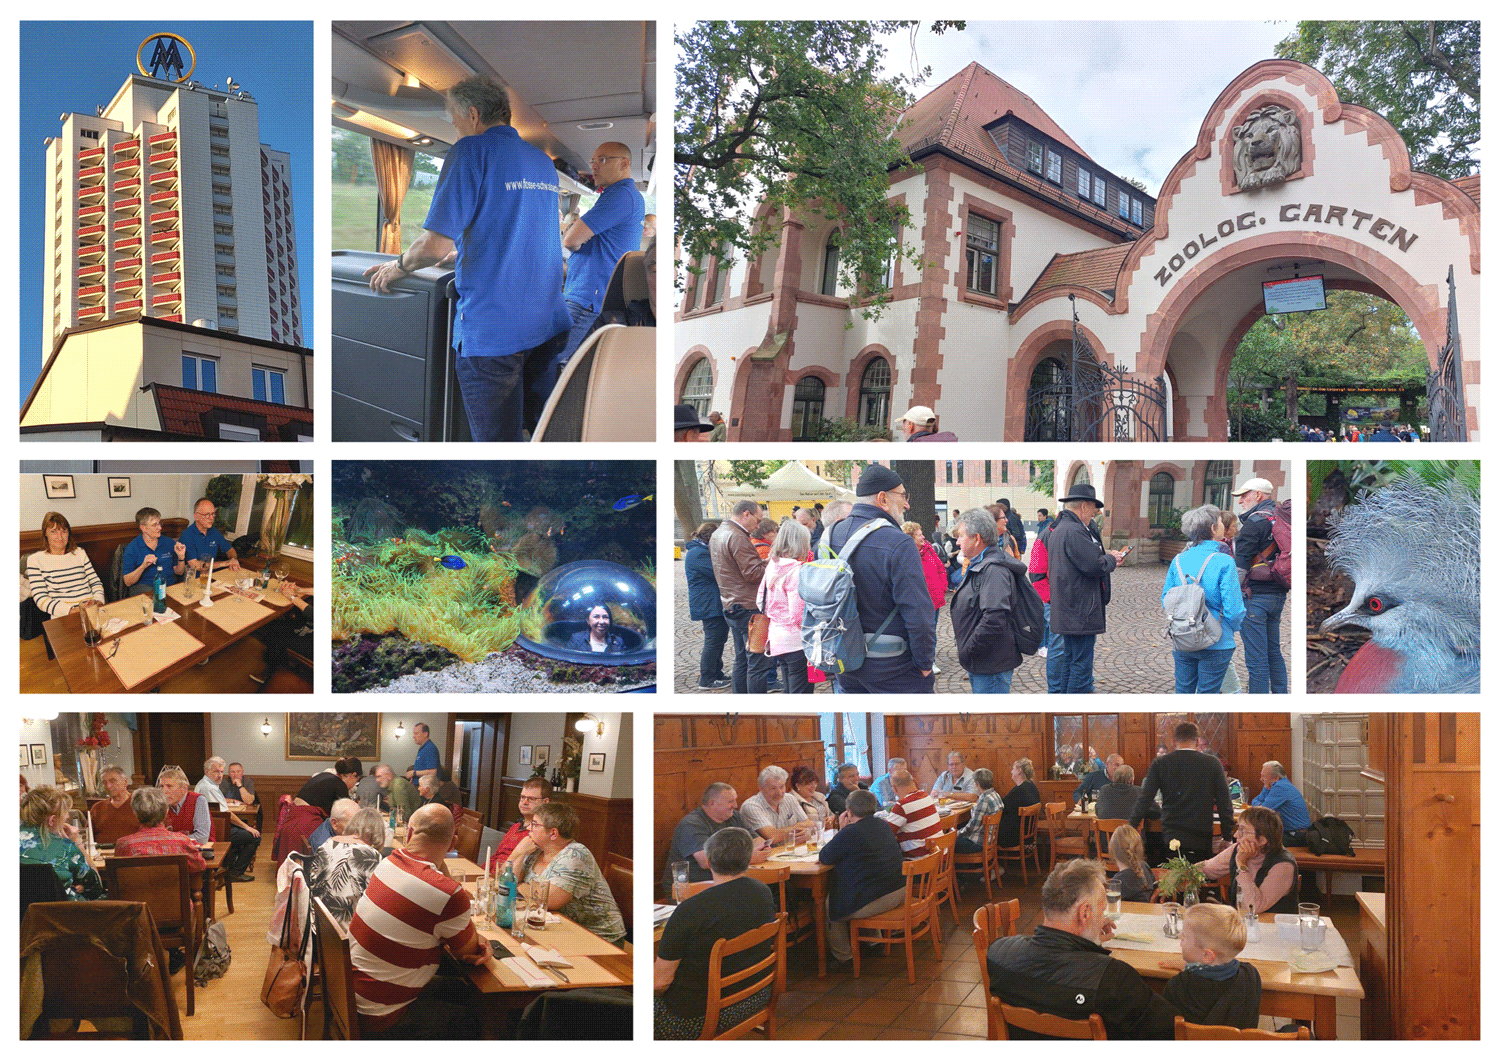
(792, 482)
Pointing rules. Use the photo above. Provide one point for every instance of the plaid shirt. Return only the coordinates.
(161, 841)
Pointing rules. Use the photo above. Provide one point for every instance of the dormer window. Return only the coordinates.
(1083, 183)
(1054, 166)
(1034, 157)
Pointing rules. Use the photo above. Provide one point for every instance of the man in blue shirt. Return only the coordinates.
(149, 550)
(495, 211)
(1280, 795)
(202, 540)
(429, 761)
(881, 786)
(599, 239)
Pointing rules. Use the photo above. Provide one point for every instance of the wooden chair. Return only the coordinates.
(799, 925)
(916, 915)
(1044, 1024)
(217, 876)
(466, 838)
(40, 884)
(1063, 844)
(944, 885)
(728, 989)
(1104, 828)
(164, 884)
(1219, 1031)
(988, 858)
(990, 923)
(619, 874)
(1026, 842)
(340, 1012)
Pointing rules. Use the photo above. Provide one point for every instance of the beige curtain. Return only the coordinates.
(392, 178)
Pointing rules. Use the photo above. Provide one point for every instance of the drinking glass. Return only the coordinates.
(90, 619)
(536, 916)
(146, 608)
(281, 570)
(518, 918)
(1112, 893)
(679, 881)
(1313, 931)
(1307, 910)
(1173, 928)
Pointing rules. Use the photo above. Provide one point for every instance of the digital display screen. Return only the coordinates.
(1299, 295)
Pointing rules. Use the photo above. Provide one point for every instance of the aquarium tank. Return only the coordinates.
(564, 599)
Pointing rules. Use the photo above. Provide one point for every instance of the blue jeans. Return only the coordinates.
(751, 669)
(1056, 665)
(497, 391)
(1078, 651)
(711, 659)
(1261, 632)
(992, 683)
(1202, 672)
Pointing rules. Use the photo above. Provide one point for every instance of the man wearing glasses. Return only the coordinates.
(535, 792)
(203, 542)
(598, 240)
(895, 609)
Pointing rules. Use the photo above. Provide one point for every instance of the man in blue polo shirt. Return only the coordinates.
(495, 209)
(429, 761)
(1280, 795)
(202, 540)
(150, 549)
(599, 239)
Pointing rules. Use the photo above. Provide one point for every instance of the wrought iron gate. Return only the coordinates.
(1087, 401)
(1447, 416)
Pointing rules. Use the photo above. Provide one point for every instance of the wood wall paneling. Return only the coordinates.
(100, 541)
(605, 826)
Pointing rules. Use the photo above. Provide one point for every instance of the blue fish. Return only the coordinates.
(626, 503)
(453, 563)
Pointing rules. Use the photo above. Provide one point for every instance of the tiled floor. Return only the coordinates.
(947, 1001)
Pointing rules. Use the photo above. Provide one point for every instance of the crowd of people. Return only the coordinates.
(1384, 431)
(746, 572)
(881, 824)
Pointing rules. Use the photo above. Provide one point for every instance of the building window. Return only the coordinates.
(950, 471)
(1034, 157)
(1100, 188)
(721, 278)
(1048, 401)
(236, 433)
(200, 373)
(1054, 166)
(987, 473)
(1004, 471)
(1218, 480)
(830, 285)
(983, 254)
(890, 263)
(1159, 506)
(1083, 183)
(1135, 211)
(875, 393)
(807, 408)
(1123, 206)
(698, 391)
(849, 738)
(269, 384)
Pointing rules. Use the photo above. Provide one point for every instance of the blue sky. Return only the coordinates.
(76, 66)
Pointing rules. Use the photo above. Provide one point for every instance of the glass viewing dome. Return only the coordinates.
(567, 595)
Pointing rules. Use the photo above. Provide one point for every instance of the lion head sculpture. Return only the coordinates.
(1267, 147)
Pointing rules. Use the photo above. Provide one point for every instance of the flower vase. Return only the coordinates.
(91, 771)
(274, 518)
(1189, 897)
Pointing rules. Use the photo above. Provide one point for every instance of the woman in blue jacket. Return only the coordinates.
(705, 606)
(1203, 671)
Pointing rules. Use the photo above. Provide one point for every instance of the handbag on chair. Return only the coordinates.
(286, 973)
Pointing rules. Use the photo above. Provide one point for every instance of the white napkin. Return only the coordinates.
(168, 616)
(113, 627)
(661, 912)
(530, 975)
(546, 956)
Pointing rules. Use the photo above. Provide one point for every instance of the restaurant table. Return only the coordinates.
(1283, 992)
(456, 866)
(1082, 820)
(221, 848)
(85, 670)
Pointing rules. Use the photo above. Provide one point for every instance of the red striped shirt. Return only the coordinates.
(915, 818)
(396, 937)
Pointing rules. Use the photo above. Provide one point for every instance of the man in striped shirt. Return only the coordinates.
(404, 985)
(914, 814)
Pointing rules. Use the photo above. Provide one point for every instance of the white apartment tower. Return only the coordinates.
(167, 204)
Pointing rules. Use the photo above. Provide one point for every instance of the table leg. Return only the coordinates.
(820, 913)
(1325, 1017)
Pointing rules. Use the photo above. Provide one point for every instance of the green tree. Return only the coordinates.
(753, 472)
(1423, 77)
(793, 115)
(686, 503)
(1043, 479)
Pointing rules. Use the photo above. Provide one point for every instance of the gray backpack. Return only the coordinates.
(1190, 625)
(832, 638)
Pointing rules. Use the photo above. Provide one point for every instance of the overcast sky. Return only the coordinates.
(1131, 94)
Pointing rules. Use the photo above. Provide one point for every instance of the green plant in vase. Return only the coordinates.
(1183, 880)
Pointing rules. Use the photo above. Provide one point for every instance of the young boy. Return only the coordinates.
(1215, 988)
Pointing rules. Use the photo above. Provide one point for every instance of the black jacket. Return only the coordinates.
(1234, 1002)
(1017, 530)
(888, 575)
(1078, 573)
(1056, 972)
(1119, 801)
(866, 861)
(579, 642)
(1191, 784)
(981, 613)
(1255, 535)
(703, 591)
(838, 797)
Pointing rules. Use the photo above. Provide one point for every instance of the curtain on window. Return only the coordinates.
(393, 167)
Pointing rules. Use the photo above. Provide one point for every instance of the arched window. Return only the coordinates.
(1048, 400)
(1080, 476)
(831, 265)
(1218, 480)
(698, 391)
(875, 393)
(721, 279)
(807, 408)
(1159, 506)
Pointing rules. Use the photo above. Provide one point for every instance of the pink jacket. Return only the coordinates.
(783, 605)
(937, 575)
(1038, 566)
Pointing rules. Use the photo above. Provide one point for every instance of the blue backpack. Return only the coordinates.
(832, 638)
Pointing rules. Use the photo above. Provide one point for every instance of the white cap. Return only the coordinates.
(919, 414)
(1261, 486)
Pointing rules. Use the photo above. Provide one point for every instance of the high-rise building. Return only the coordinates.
(166, 204)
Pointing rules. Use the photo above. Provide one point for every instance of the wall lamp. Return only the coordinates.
(588, 722)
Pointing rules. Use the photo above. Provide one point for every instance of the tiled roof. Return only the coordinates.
(958, 110)
(1097, 270)
(1469, 186)
(181, 411)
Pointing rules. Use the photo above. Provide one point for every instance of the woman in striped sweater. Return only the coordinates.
(61, 576)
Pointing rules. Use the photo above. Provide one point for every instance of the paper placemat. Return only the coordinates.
(144, 653)
(179, 593)
(127, 610)
(788, 856)
(232, 614)
(1143, 932)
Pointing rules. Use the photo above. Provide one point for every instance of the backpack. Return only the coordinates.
(1279, 568)
(1330, 836)
(1190, 625)
(1028, 623)
(832, 638)
(213, 956)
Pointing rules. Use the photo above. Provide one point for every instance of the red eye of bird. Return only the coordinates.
(1376, 604)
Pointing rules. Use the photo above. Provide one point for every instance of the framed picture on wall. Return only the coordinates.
(25, 757)
(119, 486)
(59, 487)
(540, 754)
(326, 736)
(38, 755)
(525, 755)
(596, 762)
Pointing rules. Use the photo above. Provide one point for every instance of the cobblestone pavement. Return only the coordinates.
(1131, 656)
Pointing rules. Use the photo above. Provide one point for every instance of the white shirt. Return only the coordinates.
(758, 814)
(210, 791)
(965, 783)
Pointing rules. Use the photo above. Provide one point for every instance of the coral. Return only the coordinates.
(540, 519)
(535, 554)
(370, 662)
(373, 521)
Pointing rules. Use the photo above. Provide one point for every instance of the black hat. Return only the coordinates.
(1083, 492)
(686, 418)
(874, 479)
